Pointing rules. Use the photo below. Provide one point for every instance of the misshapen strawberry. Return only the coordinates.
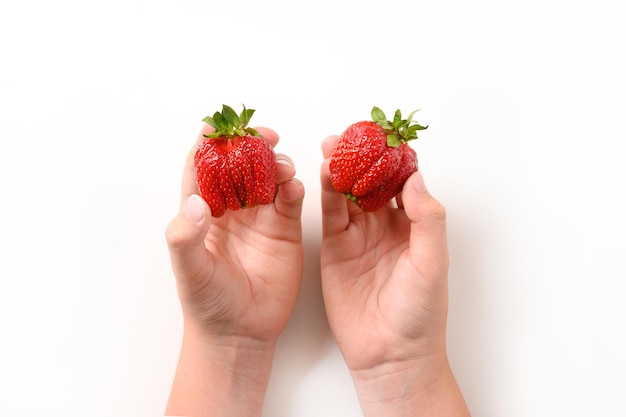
(372, 160)
(235, 167)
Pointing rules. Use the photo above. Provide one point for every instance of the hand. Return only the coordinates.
(384, 274)
(238, 278)
(384, 280)
(239, 274)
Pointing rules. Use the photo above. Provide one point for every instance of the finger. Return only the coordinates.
(285, 168)
(335, 216)
(185, 236)
(399, 201)
(328, 145)
(268, 134)
(290, 193)
(289, 198)
(428, 223)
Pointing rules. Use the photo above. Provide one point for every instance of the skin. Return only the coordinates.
(237, 277)
(384, 279)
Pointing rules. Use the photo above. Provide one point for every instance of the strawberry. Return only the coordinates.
(235, 167)
(372, 160)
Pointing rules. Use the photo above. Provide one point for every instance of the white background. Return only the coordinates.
(101, 101)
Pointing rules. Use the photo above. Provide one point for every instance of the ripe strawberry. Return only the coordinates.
(372, 160)
(235, 167)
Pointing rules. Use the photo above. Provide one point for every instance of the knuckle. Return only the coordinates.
(174, 236)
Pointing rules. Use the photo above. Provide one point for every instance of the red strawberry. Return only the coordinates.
(372, 160)
(235, 167)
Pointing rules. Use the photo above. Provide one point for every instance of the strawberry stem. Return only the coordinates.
(398, 130)
(228, 123)
(351, 197)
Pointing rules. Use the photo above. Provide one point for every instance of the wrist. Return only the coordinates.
(220, 375)
(421, 386)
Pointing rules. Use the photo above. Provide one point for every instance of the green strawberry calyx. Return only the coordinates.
(228, 123)
(398, 130)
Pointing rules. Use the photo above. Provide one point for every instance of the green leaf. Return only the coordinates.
(398, 130)
(229, 123)
(386, 124)
(397, 118)
(245, 116)
(378, 115)
(252, 131)
(410, 117)
(393, 141)
(221, 123)
(209, 120)
(416, 127)
(231, 116)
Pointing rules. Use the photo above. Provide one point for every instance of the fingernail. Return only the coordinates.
(283, 161)
(194, 208)
(418, 183)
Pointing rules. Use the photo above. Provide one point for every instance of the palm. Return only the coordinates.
(254, 257)
(378, 294)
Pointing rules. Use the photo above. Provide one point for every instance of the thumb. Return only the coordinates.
(428, 245)
(185, 238)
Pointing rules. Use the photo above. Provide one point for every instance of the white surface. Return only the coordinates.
(100, 102)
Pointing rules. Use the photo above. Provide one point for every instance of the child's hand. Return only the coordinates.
(238, 278)
(384, 277)
(239, 274)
